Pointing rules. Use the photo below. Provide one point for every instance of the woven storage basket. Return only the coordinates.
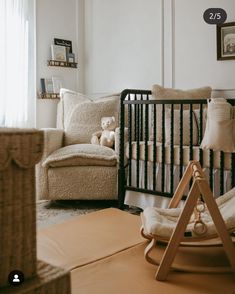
(49, 280)
(20, 150)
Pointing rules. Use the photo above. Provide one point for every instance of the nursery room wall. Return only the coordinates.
(57, 19)
(123, 44)
(194, 47)
(132, 44)
(138, 43)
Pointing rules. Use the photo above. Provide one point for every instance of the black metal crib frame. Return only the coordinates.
(135, 106)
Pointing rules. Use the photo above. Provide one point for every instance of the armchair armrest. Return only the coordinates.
(53, 140)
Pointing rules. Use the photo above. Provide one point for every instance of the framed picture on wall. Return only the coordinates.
(226, 41)
(66, 43)
(58, 53)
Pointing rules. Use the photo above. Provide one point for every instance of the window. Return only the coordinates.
(17, 63)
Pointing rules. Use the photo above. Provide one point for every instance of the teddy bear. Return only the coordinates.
(106, 137)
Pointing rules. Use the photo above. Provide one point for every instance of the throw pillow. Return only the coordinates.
(220, 127)
(86, 117)
(161, 93)
(68, 100)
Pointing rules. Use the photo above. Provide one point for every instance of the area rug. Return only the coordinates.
(54, 212)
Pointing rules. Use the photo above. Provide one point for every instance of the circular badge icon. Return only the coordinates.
(215, 16)
(15, 278)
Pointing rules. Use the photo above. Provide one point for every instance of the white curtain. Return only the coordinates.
(17, 63)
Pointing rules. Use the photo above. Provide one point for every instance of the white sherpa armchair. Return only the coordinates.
(71, 167)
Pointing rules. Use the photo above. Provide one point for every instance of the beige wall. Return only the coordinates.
(132, 44)
(123, 45)
(55, 18)
(194, 50)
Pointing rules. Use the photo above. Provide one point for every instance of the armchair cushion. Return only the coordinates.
(86, 118)
(82, 155)
(68, 100)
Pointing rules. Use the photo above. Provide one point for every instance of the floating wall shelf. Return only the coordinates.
(62, 63)
(49, 96)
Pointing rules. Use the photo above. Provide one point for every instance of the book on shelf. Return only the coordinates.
(43, 87)
(49, 85)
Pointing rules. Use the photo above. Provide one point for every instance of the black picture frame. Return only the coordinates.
(226, 45)
(66, 43)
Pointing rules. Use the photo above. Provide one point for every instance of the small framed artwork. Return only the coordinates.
(226, 41)
(57, 84)
(58, 53)
(48, 86)
(71, 57)
(62, 42)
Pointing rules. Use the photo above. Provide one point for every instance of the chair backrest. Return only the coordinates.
(68, 100)
(80, 116)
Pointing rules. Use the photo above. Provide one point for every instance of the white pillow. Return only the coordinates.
(68, 100)
(85, 119)
(220, 127)
(161, 93)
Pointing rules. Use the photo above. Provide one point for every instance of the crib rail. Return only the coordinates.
(145, 119)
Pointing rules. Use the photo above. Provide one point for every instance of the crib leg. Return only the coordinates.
(121, 188)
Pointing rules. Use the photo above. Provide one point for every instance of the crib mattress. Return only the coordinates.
(186, 154)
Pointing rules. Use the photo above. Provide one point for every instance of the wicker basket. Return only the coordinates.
(49, 280)
(20, 150)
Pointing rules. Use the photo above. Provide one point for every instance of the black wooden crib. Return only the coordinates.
(158, 135)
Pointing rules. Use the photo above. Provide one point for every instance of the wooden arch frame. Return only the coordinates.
(200, 187)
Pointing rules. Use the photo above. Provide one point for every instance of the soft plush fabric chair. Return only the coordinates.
(71, 167)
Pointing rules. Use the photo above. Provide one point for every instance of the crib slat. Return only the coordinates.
(141, 119)
(135, 107)
(221, 173)
(138, 148)
(172, 151)
(163, 149)
(201, 134)
(181, 140)
(191, 131)
(146, 145)
(211, 169)
(154, 145)
(233, 169)
(190, 136)
(130, 141)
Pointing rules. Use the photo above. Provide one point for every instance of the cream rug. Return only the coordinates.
(55, 212)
